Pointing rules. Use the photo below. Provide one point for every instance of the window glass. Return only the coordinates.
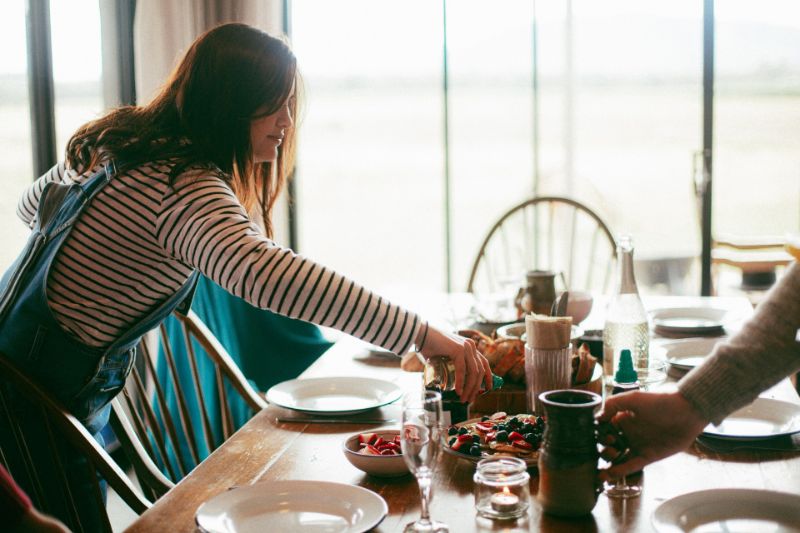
(16, 164)
(757, 119)
(491, 106)
(77, 66)
(369, 179)
(620, 120)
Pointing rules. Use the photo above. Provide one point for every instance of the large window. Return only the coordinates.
(15, 132)
(75, 35)
(757, 108)
(614, 122)
(370, 170)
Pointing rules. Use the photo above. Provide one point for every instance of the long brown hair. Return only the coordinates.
(201, 117)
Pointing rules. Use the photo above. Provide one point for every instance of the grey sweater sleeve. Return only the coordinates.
(766, 350)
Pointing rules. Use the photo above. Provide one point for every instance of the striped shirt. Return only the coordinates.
(141, 237)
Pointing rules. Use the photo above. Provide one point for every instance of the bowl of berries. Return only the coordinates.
(378, 454)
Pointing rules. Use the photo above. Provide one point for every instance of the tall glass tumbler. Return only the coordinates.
(545, 370)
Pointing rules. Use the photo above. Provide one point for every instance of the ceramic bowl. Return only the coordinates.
(375, 465)
(579, 305)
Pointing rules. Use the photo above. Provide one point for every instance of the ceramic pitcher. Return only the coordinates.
(568, 482)
(539, 292)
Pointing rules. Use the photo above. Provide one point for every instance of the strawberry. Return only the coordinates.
(498, 416)
(391, 446)
(515, 436)
(366, 438)
(459, 443)
(484, 427)
(389, 452)
(378, 442)
(369, 449)
(521, 444)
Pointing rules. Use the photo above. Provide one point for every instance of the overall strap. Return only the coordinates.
(99, 179)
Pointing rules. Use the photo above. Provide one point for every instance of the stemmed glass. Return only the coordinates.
(420, 441)
(620, 488)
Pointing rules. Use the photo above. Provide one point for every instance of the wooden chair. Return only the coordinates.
(59, 426)
(159, 420)
(546, 233)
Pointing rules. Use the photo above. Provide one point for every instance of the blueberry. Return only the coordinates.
(452, 430)
(484, 418)
(527, 428)
(502, 436)
(476, 438)
(530, 438)
(463, 431)
(452, 441)
(475, 450)
(495, 427)
(539, 421)
(501, 427)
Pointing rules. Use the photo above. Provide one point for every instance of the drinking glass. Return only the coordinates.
(621, 489)
(420, 440)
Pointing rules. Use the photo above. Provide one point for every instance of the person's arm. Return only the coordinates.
(657, 425)
(18, 513)
(202, 224)
(765, 351)
(29, 201)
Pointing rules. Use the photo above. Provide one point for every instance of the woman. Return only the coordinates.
(150, 196)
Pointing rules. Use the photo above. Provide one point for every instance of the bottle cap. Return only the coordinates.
(625, 371)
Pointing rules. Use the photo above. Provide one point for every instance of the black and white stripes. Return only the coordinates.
(140, 238)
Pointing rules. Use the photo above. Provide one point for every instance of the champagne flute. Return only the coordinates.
(420, 441)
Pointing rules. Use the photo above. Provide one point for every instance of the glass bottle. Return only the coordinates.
(439, 374)
(626, 320)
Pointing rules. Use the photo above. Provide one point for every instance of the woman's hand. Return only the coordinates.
(471, 366)
(654, 425)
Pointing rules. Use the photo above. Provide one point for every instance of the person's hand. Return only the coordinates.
(471, 366)
(35, 522)
(654, 426)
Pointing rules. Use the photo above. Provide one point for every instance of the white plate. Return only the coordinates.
(690, 319)
(686, 354)
(763, 419)
(292, 506)
(334, 395)
(729, 510)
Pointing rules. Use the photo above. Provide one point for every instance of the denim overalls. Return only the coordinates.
(82, 378)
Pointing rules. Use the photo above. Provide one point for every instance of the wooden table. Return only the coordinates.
(265, 450)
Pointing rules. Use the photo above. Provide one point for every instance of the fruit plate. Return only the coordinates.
(292, 506)
(333, 395)
(473, 428)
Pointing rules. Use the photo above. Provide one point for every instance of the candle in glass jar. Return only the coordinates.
(504, 502)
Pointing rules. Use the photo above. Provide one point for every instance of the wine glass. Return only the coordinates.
(620, 489)
(420, 441)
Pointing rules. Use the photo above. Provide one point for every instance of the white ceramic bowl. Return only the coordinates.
(579, 305)
(375, 465)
